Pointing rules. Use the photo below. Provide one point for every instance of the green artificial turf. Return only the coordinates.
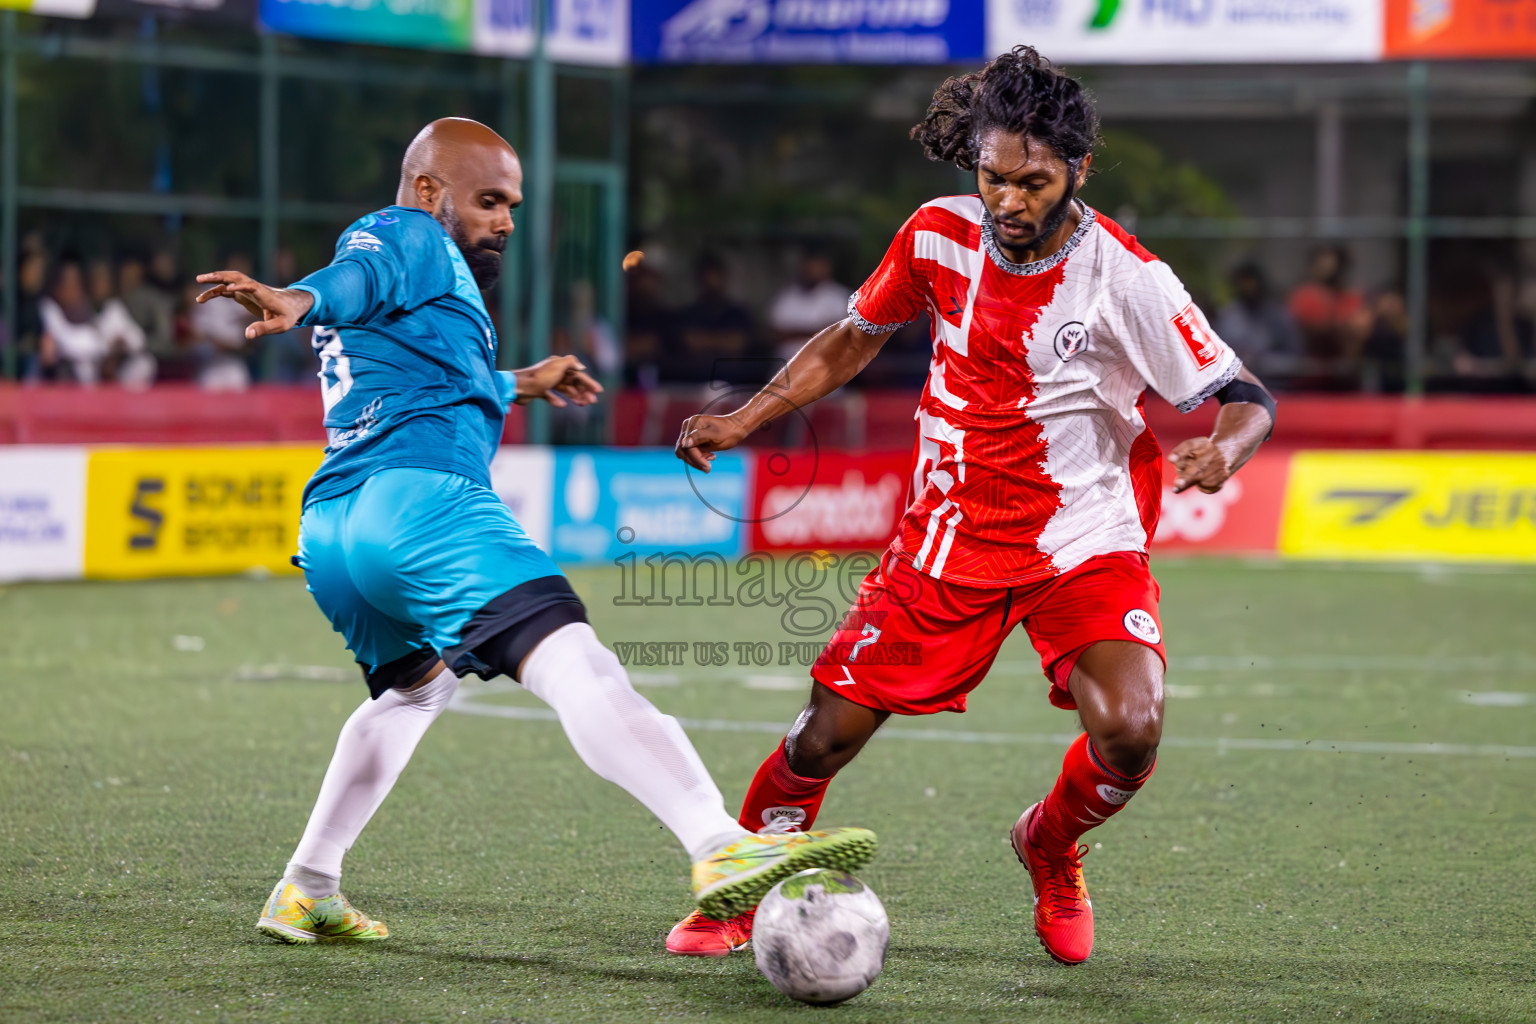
(151, 789)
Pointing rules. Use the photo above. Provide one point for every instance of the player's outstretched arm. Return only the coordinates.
(823, 364)
(276, 309)
(558, 380)
(1242, 425)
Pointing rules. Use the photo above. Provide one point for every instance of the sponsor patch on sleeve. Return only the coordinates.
(1197, 337)
(364, 240)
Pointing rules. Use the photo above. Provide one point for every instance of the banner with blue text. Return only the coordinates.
(807, 31)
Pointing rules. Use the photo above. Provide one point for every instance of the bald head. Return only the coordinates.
(450, 147)
(469, 178)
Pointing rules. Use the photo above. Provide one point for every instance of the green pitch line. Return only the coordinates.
(151, 788)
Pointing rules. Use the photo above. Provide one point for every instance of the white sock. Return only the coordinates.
(622, 737)
(371, 751)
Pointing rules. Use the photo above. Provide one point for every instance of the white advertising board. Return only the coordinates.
(1188, 31)
(524, 478)
(579, 31)
(42, 512)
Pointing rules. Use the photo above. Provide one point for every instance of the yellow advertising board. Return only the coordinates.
(194, 511)
(1451, 506)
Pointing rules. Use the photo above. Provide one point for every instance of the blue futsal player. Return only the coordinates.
(422, 568)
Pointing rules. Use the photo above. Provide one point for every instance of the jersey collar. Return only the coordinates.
(995, 252)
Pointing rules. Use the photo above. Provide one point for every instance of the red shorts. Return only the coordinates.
(914, 645)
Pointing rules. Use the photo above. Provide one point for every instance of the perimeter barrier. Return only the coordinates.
(127, 512)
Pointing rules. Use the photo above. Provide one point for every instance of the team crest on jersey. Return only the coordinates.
(1141, 625)
(1071, 339)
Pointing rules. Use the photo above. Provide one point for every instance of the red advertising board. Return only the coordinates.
(1460, 28)
(805, 500)
(1244, 516)
(810, 500)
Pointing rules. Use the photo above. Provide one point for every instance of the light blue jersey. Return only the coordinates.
(407, 355)
(403, 543)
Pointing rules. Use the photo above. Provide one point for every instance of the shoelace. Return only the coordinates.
(709, 924)
(1061, 883)
(780, 827)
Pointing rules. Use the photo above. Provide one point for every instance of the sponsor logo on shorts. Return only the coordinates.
(1141, 625)
(1111, 795)
(785, 819)
(1071, 339)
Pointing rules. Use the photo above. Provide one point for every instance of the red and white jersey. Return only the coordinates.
(1032, 455)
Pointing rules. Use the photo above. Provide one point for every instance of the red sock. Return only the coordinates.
(778, 793)
(1087, 793)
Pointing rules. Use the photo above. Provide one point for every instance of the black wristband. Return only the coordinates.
(1246, 391)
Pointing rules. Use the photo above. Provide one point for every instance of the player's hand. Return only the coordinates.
(276, 309)
(559, 380)
(1200, 464)
(702, 436)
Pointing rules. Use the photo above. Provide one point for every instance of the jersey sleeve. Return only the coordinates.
(1169, 341)
(889, 299)
(506, 386)
(384, 264)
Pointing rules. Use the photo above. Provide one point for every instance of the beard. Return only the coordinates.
(1048, 227)
(483, 255)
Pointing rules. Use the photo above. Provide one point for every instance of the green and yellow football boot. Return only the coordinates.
(732, 880)
(290, 916)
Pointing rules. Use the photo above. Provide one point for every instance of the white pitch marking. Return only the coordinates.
(1488, 664)
(310, 673)
(773, 682)
(464, 702)
(1497, 699)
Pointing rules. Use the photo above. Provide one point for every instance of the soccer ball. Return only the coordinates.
(820, 936)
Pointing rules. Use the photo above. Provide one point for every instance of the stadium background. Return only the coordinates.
(1379, 537)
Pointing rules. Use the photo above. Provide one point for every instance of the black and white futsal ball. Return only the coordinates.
(820, 936)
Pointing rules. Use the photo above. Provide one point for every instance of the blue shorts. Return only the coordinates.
(417, 561)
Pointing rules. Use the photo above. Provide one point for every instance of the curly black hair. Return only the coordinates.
(1020, 92)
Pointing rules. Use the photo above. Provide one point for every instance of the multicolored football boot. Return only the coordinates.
(1063, 915)
(731, 881)
(290, 916)
(697, 935)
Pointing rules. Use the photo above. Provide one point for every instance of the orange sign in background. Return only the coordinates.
(1460, 28)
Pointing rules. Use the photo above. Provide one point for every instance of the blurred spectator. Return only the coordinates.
(151, 307)
(716, 333)
(586, 335)
(218, 337)
(125, 355)
(287, 358)
(30, 278)
(1257, 326)
(1499, 343)
(652, 326)
(1386, 342)
(71, 345)
(1333, 317)
(811, 303)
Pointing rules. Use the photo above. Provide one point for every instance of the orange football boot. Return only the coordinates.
(697, 935)
(1063, 915)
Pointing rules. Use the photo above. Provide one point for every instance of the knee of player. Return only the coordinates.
(813, 748)
(1129, 739)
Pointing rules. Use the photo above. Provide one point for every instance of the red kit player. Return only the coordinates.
(1036, 482)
